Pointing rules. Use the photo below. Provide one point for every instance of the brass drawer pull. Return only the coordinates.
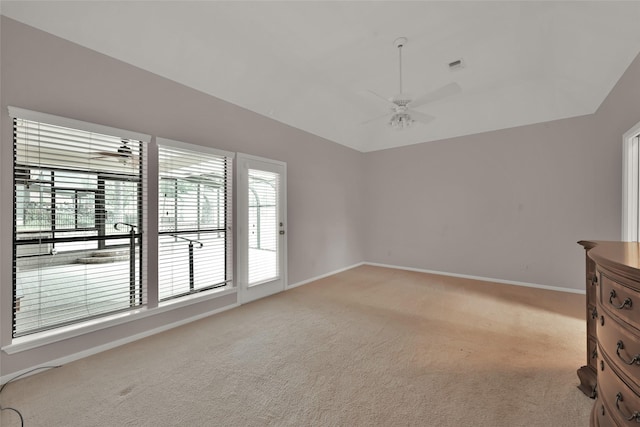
(634, 360)
(625, 303)
(634, 416)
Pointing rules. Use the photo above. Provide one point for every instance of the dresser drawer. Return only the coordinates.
(622, 346)
(620, 300)
(621, 404)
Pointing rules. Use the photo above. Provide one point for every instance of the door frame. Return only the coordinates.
(630, 178)
(242, 211)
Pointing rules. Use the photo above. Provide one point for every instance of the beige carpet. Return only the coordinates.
(367, 347)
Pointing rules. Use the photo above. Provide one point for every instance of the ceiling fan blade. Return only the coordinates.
(390, 103)
(421, 117)
(375, 119)
(107, 154)
(436, 95)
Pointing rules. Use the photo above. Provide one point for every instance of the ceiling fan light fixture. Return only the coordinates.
(401, 121)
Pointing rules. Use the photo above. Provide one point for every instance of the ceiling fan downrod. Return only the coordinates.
(399, 43)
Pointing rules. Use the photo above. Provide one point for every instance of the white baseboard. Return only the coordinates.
(322, 276)
(484, 279)
(108, 346)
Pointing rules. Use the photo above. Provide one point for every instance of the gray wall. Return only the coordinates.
(508, 204)
(44, 73)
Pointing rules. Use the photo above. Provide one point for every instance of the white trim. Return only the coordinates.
(116, 343)
(261, 159)
(193, 147)
(322, 276)
(284, 209)
(630, 171)
(49, 337)
(21, 113)
(484, 279)
(242, 209)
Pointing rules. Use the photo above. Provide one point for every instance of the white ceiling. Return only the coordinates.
(310, 64)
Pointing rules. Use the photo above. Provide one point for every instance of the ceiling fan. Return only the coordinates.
(124, 154)
(402, 105)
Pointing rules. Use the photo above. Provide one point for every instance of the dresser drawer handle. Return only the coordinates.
(594, 313)
(634, 360)
(625, 303)
(634, 416)
(594, 280)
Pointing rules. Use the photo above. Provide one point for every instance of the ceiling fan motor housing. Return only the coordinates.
(401, 100)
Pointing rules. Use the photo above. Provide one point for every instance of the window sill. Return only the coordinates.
(49, 337)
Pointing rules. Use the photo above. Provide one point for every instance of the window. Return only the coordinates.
(78, 221)
(194, 209)
(631, 185)
(263, 225)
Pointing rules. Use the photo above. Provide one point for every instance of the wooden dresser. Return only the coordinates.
(612, 370)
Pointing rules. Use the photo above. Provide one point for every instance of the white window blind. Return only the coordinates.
(194, 208)
(78, 221)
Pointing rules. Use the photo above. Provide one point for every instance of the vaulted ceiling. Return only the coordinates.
(312, 65)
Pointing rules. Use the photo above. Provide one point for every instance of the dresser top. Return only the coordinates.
(620, 257)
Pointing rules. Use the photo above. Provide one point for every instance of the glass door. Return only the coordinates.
(261, 227)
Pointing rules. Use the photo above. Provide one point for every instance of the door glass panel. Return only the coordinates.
(263, 226)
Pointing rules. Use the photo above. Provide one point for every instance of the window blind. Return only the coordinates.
(78, 222)
(194, 208)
